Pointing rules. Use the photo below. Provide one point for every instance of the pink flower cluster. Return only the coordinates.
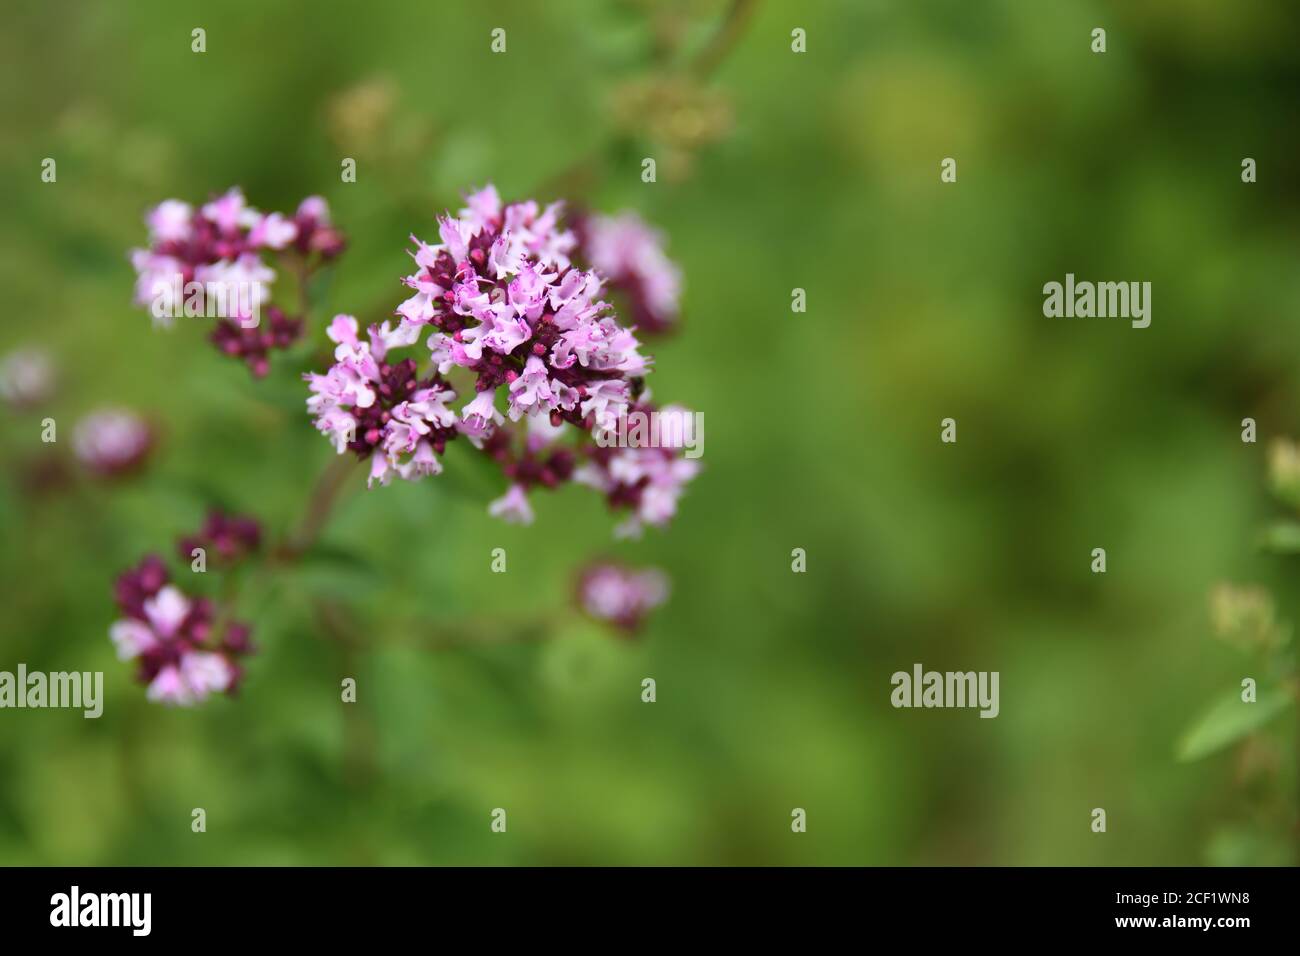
(254, 345)
(503, 301)
(504, 306)
(381, 409)
(620, 595)
(220, 247)
(182, 654)
(226, 537)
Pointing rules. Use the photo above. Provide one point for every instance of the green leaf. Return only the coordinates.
(1282, 537)
(1247, 846)
(1229, 720)
(329, 571)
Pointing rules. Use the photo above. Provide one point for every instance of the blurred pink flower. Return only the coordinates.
(630, 254)
(620, 595)
(26, 377)
(112, 441)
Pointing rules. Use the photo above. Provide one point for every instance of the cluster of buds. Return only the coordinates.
(183, 649)
(1245, 616)
(254, 345)
(230, 538)
(505, 307)
(210, 261)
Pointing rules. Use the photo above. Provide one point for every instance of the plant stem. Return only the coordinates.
(724, 38)
(359, 738)
(329, 486)
(302, 274)
(480, 632)
(578, 176)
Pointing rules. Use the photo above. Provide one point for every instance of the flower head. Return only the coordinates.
(174, 638)
(498, 301)
(379, 408)
(112, 441)
(228, 537)
(313, 232)
(212, 261)
(501, 298)
(26, 377)
(186, 245)
(620, 595)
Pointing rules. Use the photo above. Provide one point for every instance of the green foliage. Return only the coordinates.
(1230, 719)
(1283, 537)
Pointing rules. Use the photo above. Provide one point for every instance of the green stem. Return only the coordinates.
(724, 39)
(327, 493)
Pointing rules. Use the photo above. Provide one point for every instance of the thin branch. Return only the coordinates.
(359, 738)
(724, 39)
(575, 178)
(329, 486)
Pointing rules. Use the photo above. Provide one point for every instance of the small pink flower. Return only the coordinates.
(314, 233)
(166, 611)
(112, 441)
(229, 212)
(170, 221)
(26, 377)
(273, 231)
(197, 675)
(315, 209)
(531, 391)
(606, 403)
(480, 416)
(168, 688)
(513, 507)
(131, 638)
(620, 595)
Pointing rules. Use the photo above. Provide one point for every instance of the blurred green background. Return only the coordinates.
(778, 170)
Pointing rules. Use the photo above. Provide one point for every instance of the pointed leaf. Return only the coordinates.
(1229, 720)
